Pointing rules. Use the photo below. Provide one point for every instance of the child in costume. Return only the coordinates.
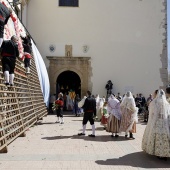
(27, 52)
(58, 106)
(105, 115)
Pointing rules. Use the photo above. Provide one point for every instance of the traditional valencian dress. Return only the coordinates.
(59, 109)
(115, 115)
(156, 138)
(100, 107)
(105, 116)
(129, 114)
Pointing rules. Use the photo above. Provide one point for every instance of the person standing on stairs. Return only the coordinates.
(5, 14)
(9, 54)
(27, 45)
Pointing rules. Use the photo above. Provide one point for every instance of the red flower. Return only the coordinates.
(59, 102)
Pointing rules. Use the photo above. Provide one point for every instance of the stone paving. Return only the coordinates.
(49, 146)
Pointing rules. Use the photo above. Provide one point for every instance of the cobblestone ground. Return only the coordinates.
(49, 146)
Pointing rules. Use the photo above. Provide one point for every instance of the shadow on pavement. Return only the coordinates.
(77, 120)
(97, 129)
(138, 159)
(102, 138)
(56, 137)
(45, 123)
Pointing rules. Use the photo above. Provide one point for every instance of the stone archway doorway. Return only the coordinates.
(68, 81)
(79, 65)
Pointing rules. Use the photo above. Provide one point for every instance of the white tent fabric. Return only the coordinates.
(42, 74)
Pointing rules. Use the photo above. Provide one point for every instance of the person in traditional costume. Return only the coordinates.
(105, 115)
(9, 54)
(129, 115)
(89, 108)
(26, 42)
(113, 108)
(59, 108)
(156, 138)
(104, 98)
(97, 98)
(5, 14)
(100, 108)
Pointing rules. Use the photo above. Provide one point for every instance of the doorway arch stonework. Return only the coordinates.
(79, 65)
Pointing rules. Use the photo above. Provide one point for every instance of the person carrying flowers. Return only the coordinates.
(58, 106)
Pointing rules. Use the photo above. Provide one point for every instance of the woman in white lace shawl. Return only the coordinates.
(156, 138)
(100, 107)
(113, 108)
(97, 106)
(129, 115)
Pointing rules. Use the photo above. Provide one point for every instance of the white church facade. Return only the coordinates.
(124, 41)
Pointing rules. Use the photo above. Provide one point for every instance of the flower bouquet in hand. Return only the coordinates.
(57, 104)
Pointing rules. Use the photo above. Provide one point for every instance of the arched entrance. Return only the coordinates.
(78, 65)
(68, 81)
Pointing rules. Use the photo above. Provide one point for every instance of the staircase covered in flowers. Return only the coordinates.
(22, 105)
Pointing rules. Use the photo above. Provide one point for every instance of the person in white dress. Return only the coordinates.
(156, 138)
(129, 115)
(100, 107)
(69, 103)
(97, 98)
(114, 118)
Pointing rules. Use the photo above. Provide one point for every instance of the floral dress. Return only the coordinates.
(104, 117)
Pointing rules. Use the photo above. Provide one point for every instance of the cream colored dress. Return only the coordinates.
(129, 115)
(113, 108)
(156, 138)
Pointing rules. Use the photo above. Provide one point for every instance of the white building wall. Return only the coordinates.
(24, 15)
(124, 39)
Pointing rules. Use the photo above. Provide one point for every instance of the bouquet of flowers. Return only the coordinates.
(57, 103)
(105, 113)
